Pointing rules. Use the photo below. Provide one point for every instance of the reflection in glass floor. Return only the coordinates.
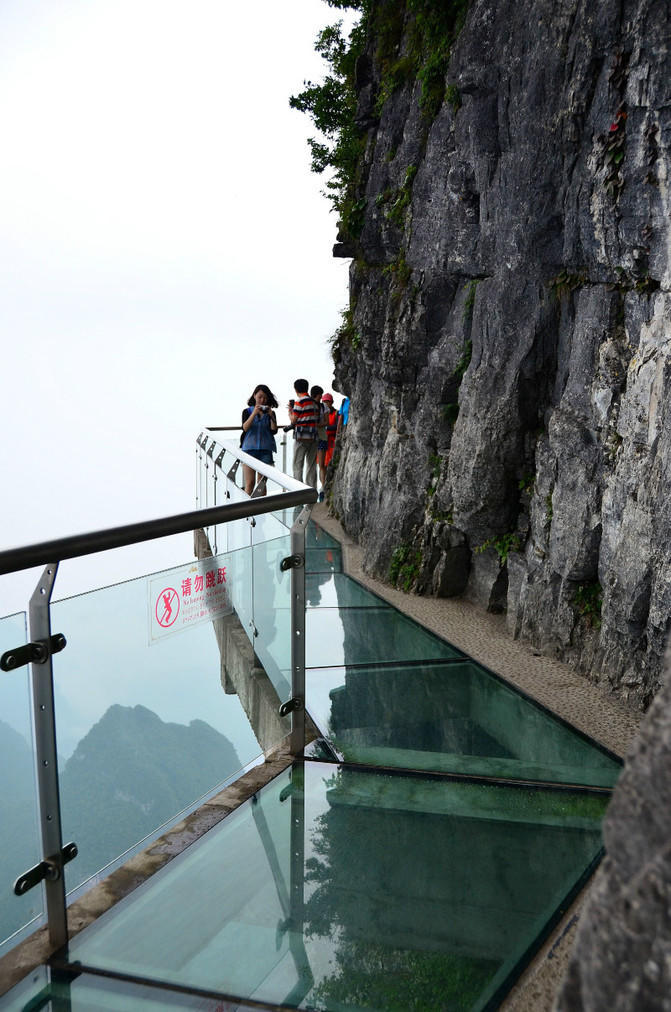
(453, 717)
(336, 888)
(419, 873)
(362, 635)
(88, 992)
(386, 692)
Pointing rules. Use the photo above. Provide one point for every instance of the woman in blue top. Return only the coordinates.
(259, 426)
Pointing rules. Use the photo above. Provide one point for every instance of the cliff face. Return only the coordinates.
(508, 348)
(622, 957)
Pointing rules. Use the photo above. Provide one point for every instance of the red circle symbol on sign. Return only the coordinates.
(167, 607)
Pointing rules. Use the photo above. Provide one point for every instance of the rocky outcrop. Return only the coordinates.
(622, 955)
(508, 349)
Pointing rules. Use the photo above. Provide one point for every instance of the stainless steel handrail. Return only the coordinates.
(267, 470)
(14, 560)
(236, 428)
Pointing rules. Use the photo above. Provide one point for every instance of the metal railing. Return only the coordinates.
(38, 652)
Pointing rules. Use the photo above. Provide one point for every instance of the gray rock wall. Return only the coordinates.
(509, 355)
(621, 960)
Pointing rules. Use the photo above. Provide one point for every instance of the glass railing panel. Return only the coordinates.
(211, 497)
(336, 637)
(200, 476)
(237, 533)
(450, 718)
(419, 893)
(232, 537)
(219, 466)
(241, 587)
(20, 846)
(280, 522)
(152, 705)
(272, 612)
(217, 532)
(235, 476)
(268, 526)
(284, 458)
(206, 464)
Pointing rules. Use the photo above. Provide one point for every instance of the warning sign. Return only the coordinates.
(167, 607)
(182, 597)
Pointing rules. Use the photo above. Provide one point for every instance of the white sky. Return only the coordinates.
(163, 249)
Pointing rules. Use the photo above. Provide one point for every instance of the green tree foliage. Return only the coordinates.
(407, 40)
(332, 107)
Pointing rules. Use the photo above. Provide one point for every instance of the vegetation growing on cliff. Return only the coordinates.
(332, 107)
(587, 600)
(502, 545)
(405, 566)
(413, 43)
(346, 332)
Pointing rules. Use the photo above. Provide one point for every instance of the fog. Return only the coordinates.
(163, 249)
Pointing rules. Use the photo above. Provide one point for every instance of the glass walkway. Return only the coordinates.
(414, 858)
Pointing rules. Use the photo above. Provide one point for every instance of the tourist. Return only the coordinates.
(343, 414)
(331, 429)
(259, 426)
(304, 415)
(322, 441)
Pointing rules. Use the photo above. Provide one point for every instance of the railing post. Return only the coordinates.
(218, 464)
(297, 890)
(200, 442)
(209, 459)
(297, 741)
(47, 761)
(214, 503)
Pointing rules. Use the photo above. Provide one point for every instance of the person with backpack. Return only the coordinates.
(304, 414)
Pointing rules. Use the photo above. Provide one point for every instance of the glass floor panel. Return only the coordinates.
(335, 590)
(363, 635)
(456, 718)
(336, 888)
(90, 993)
(336, 637)
(316, 537)
(323, 560)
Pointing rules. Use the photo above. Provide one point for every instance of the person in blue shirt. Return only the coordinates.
(343, 414)
(259, 426)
